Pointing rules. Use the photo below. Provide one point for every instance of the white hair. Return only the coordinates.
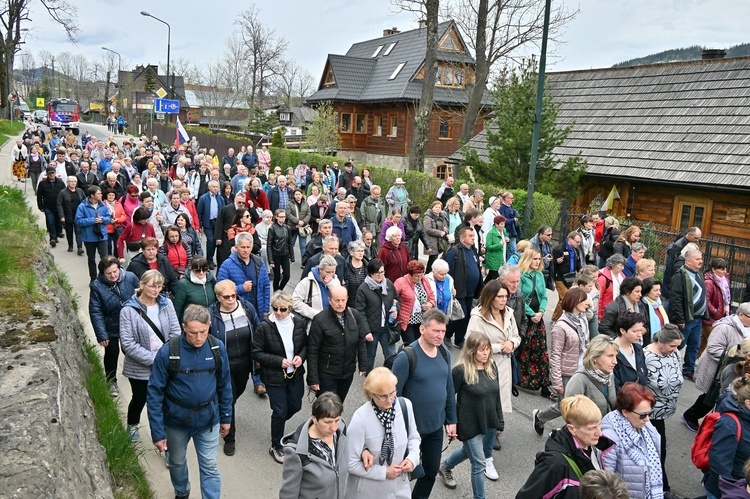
(392, 231)
(440, 265)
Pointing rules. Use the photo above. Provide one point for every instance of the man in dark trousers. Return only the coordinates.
(67, 204)
(223, 224)
(463, 266)
(566, 262)
(46, 200)
(210, 205)
(693, 235)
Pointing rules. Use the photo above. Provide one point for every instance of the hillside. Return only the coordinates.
(682, 54)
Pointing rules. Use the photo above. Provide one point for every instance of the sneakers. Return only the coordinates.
(489, 469)
(447, 476)
(133, 433)
(276, 454)
(538, 425)
(229, 448)
(113, 390)
(691, 425)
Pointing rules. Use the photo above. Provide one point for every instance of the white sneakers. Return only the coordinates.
(489, 469)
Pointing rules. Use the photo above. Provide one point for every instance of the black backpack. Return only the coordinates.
(411, 356)
(174, 357)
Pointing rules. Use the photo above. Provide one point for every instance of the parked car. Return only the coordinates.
(39, 116)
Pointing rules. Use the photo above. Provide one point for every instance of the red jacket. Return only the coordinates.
(260, 200)
(133, 233)
(605, 290)
(190, 207)
(714, 300)
(405, 289)
(598, 234)
(394, 260)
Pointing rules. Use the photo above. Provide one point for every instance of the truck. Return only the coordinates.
(63, 113)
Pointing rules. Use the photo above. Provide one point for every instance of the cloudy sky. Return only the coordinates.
(605, 32)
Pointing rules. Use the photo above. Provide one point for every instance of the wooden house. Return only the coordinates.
(673, 139)
(375, 90)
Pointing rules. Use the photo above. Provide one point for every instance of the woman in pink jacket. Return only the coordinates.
(414, 296)
(570, 339)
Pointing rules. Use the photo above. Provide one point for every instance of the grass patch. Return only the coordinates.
(64, 282)
(130, 479)
(8, 129)
(20, 245)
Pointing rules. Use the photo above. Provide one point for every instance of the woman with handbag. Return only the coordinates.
(147, 321)
(383, 441)
(480, 413)
(415, 296)
(532, 352)
(375, 301)
(436, 229)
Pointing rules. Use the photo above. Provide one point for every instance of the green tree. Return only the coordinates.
(509, 136)
(323, 135)
(262, 122)
(278, 139)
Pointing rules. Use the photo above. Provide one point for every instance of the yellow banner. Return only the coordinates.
(96, 107)
(40, 102)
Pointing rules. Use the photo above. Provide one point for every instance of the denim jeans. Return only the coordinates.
(206, 443)
(210, 241)
(473, 450)
(302, 242)
(54, 225)
(692, 341)
(372, 347)
(431, 447)
(511, 247)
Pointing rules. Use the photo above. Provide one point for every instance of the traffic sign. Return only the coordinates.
(40, 102)
(167, 106)
(161, 93)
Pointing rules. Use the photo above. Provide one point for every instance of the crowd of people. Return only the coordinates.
(190, 253)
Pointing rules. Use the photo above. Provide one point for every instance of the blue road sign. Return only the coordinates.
(167, 106)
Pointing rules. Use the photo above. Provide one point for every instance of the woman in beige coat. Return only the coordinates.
(495, 319)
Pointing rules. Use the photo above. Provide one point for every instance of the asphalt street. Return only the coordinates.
(252, 473)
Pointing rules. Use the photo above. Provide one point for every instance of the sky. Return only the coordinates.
(603, 33)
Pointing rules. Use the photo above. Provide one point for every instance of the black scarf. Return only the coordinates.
(386, 419)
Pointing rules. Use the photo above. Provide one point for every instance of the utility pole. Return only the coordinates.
(537, 121)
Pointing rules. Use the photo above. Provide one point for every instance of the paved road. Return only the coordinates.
(252, 473)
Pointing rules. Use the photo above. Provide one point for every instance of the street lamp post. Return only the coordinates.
(169, 43)
(119, 68)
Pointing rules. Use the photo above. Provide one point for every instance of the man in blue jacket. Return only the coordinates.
(209, 206)
(92, 217)
(191, 398)
(511, 221)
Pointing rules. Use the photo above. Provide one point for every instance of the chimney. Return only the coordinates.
(422, 23)
(713, 54)
(388, 32)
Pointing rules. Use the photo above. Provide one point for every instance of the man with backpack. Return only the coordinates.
(190, 397)
(693, 235)
(424, 376)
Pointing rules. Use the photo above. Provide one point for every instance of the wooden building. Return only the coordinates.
(375, 90)
(673, 139)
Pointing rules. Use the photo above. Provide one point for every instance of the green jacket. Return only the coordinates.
(529, 285)
(494, 255)
(189, 293)
(369, 211)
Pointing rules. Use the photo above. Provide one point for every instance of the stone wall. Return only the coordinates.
(386, 160)
(48, 443)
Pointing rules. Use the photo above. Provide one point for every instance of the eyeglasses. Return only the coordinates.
(641, 415)
(246, 215)
(152, 286)
(386, 397)
(201, 269)
(283, 310)
(228, 297)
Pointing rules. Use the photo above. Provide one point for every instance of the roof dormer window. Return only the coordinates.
(377, 50)
(397, 71)
(390, 48)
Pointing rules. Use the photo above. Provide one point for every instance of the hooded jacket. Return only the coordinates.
(85, 216)
(105, 302)
(236, 270)
(727, 456)
(552, 475)
(190, 293)
(724, 336)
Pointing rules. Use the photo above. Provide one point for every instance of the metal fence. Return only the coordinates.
(657, 237)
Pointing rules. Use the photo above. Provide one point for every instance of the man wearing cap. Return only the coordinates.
(46, 200)
(346, 177)
(398, 198)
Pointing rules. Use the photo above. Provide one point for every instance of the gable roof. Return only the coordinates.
(673, 123)
(360, 77)
(679, 123)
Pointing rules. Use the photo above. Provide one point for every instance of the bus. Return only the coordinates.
(64, 113)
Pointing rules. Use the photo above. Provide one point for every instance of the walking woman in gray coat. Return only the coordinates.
(147, 321)
(315, 456)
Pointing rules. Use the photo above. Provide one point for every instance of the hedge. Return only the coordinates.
(423, 187)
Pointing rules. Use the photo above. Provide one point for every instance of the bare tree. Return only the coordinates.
(14, 16)
(294, 83)
(27, 76)
(108, 64)
(64, 66)
(81, 71)
(496, 30)
(187, 69)
(264, 51)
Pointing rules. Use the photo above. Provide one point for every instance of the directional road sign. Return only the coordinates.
(167, 106)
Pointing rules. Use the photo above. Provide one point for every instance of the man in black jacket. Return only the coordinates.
(46, 200)
(693, 235)
(336, 345)
(67, 204)
(223, 224)
(85, 177)
(567, 264)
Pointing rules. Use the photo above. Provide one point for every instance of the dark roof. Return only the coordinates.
(675, 123)
(360, 77)
(681, 123)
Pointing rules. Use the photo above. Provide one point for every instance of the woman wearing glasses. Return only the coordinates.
(196, 287)
(233, 321)
(383, 445)
(635, 456)
(280, 348)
